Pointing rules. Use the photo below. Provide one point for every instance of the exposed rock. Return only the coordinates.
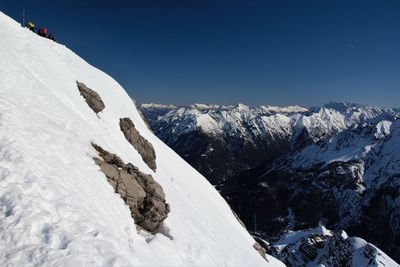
(144, 147)
(91, 97)
(261, 246)
(260, 250)
(144, 196)
(321, 247)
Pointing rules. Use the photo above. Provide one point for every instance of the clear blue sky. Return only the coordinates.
(254, 52)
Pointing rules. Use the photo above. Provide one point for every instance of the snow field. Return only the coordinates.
(56, 207)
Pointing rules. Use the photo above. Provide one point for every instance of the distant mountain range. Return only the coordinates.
(222, 141)
(291, 168)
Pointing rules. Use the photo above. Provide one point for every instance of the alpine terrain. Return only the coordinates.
(290, 170)
(84, 182)
(350, 182)
(221, 141)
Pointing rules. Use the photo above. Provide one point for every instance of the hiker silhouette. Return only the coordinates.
(42, 32)
(30, 26)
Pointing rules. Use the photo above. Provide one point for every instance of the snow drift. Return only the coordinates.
(57, 208)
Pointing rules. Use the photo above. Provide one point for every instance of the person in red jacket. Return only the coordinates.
(42, 32)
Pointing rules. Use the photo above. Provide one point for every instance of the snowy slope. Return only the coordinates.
(57, 208)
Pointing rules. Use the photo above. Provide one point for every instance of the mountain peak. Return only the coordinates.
(287, 109)
(157, 106)
(342, 106)
(200, 106)
(242, 107)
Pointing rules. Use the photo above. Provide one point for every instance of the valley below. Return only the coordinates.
(288, 170)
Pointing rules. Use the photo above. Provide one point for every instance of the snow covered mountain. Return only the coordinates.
(335, 165)
(350, 182)
(321, 247)
(222, 141)
(69, 155)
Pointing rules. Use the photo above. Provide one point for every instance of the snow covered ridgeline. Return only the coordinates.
(321, 247)
(339, 165)
(222, 141)
(57, 208)
(350, 181)
(333, 116)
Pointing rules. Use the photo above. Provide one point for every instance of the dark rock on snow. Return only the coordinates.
(144, 147)
(144, 196)
(260, 250)
(91, 97)
(261, 247)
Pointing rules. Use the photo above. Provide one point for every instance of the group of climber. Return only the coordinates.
(41, 31)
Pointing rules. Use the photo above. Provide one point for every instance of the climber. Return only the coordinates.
(51, 37)
(30, 26)
(42, 32)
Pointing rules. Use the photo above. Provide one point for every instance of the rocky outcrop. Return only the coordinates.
(91, 97)
(144, 196)
(321, 247)
(260, 250)
(144, 147)
(261, 246)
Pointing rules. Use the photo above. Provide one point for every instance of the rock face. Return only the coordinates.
(91, 97)
(349, 182)
(144, 147)
(321, 247)
(144, 196)
(261, 246)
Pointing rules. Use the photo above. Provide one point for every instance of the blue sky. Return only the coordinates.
(254, 52)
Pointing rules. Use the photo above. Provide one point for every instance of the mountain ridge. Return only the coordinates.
(349, 182)
(337, 167)
(251, 135)
(58, 203)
